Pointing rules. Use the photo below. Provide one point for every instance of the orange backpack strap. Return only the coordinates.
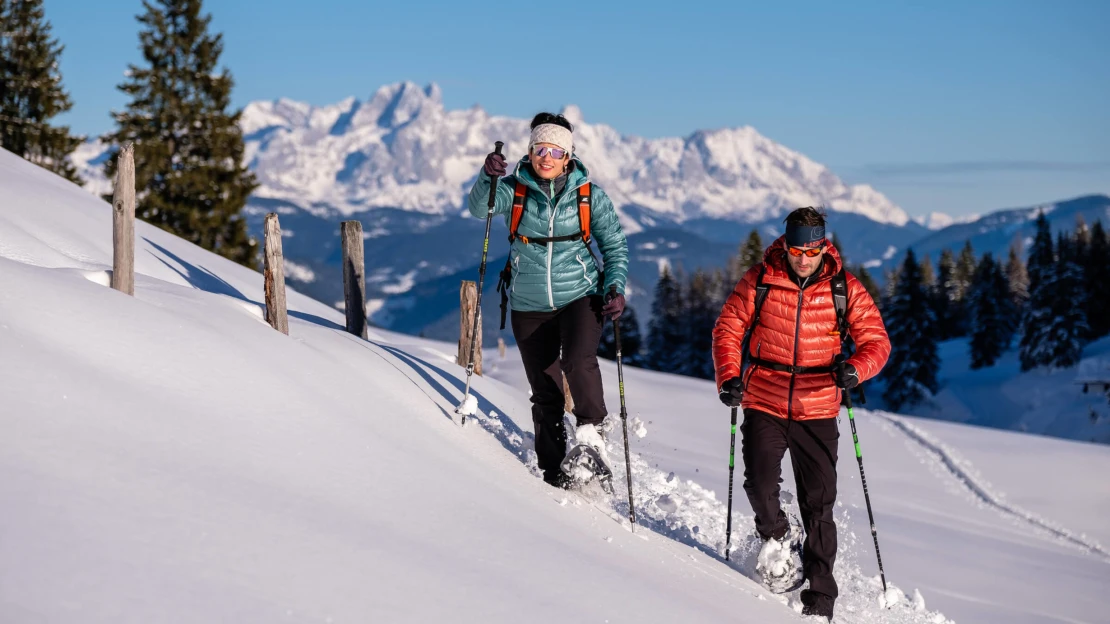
(518, 209)
(584, 211)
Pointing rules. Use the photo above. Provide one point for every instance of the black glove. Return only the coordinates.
(846, 375)
(495, 165)
(614, 305)
(732, 392)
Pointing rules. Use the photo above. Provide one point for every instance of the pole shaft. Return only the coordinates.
(866, 495)
(731, 469)
(624, 425)
(481, 281)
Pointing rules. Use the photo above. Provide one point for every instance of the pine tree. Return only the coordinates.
(928, 276)
(911, 371)
(632, 341)
(1068, 330)
(702, 309)
(1082, 239)
(989, 307)
(1036, 347)
(966, 264)
(944, 296)
(868, 282)
(836, 243)
(1017, 282)
(32, 92)
(748, 255)
(1096, 275)
(666, 331)
(188, 148)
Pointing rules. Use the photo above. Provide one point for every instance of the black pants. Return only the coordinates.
(813, 446)
(575, 330)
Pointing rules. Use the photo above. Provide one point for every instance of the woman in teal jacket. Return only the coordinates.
(557, 288)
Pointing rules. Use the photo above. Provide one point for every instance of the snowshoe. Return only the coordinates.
(780, 562)
(583, 464)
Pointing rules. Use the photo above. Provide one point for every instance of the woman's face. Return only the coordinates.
(547, 166)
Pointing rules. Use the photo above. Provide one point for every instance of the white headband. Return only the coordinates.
(553, 134)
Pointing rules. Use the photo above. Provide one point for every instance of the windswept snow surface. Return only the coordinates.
(169, 457)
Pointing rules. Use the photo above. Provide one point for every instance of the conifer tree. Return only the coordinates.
(748, 255)
(31, 92)
(189, 168)
(989, 307)
(1096, 276)
(911, 372)
(1069, 330)
(632, 340)
(666, 330)
(1036, 323)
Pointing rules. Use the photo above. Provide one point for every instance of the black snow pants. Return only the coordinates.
(813, 451)
(575, 331)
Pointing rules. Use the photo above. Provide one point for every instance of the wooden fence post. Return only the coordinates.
(123, 222)
(274, 277)
(354, 278)
(468, 307)
(501, 347)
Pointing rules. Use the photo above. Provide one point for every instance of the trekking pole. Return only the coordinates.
(863, 479)
(731, 468)
(481, 280)
(624, 420)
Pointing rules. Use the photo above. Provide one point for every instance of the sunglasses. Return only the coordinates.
(542, 150)
(811, 252)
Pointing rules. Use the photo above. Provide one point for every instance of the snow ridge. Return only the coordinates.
(944, 457)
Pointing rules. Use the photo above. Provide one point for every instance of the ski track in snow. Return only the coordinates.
(682, 511)
(942, 456)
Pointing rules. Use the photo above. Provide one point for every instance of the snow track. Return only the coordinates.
(680, 511)
(962, 472)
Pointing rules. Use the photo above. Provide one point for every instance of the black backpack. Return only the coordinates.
(839, 285)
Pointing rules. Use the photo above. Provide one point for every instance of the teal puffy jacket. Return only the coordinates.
(548, 277)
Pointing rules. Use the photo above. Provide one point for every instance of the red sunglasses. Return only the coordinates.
(811, 252)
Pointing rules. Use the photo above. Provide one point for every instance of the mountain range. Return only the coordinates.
(401, 163)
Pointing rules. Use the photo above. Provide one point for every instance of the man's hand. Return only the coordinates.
(732, 392)
(846, 375)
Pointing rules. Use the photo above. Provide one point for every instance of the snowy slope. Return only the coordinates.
(169, 457)
(1012, 530)
(1043, 400)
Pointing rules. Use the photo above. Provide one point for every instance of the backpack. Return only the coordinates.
(520, 192)
(839, 286)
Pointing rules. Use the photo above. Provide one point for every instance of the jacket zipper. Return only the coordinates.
(550, 246)
(793, 375)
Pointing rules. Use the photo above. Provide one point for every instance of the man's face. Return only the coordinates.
(802, 262)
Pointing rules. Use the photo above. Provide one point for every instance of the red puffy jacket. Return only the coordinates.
(788, 336)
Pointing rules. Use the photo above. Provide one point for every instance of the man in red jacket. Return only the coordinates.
(791, 391)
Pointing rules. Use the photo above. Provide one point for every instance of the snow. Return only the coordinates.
(169, 457)
(940, 220)
(297, 271)
(469, 407)
(973, 561)
(1048, 401)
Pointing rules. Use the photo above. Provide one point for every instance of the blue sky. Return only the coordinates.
(947, 106)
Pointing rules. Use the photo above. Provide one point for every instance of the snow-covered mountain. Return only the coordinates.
(996, 231)
(402, 149)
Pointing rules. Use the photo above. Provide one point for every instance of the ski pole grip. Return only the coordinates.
(493, 179)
